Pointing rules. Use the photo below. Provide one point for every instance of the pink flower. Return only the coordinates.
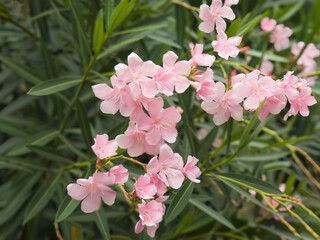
(300, 103)
(162, 123)
(160, 185)
(144, 188)
(308, 55)
(120, 173)
(266, 67)
(205, 85)
(229, 3)
(267, 24)
(289, 85)
(190, 170)
(212, 16)
(280, 37)
(116, 98)
(103, 148)
(172, 75)
(139, 73)
(225, 104)
(255, 88)
(198, 58)
(151, 214)
(92, 190)
(134, 140)
(226, 47)
(169, 165)
(273, 104)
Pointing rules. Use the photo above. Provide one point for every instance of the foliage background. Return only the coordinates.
(46, 135)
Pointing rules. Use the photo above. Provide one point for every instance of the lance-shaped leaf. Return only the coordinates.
(179, 201)
(41, 198)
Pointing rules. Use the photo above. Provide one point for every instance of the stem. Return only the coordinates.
(56, 227)
(293, 214)
(289, 226)
(33, 35)
(75, 98)
(185, 5)
(135, 161)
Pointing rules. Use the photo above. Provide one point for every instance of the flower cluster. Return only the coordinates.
(163, 171)
(306, 60)
(136, 93)
(281, 33)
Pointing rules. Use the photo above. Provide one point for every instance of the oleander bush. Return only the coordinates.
(159, 119)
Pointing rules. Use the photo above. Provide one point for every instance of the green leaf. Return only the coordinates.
(108, 5)
(48, 153)
(102, 224)
(293, 10)
(279, 165)
(252, 182)
(179, 201)
(212, 213)
(141, 29)
(84, 124)
(67, 206)
(119, 14)
(262, 157)
(131, 39)
(185, 103)
(30, 165)
(20, 70)
(245, 137)
(234, 28)
(53, 86)
(98, 33)
(22, 192)
(41, 198)
(246, 194)
(269, 56)
(181, 24)
(39, 140)
(73, 148)
(250, 25)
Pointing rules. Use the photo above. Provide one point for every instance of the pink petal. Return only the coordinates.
(169, 134)
(175, 178)
(226, 12)
(169, 59)
(153, 166)
(139, 227)
(207, 26)
(204, 13)
(91, 203)
(220, 24)
(109, 107)
(77, 192)
(109, 196)
(151, 230)
(101, 90)
(134, 62)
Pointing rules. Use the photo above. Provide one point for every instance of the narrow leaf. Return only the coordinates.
(84, 124)
(250, 181)
(245, 135)
(20, 70)
(98, 33)
(179, 201)
(23, 191)
(102, 224)
(67, 206)
(41, 198)
(212, 213)
(250, 25)
(53, 86)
